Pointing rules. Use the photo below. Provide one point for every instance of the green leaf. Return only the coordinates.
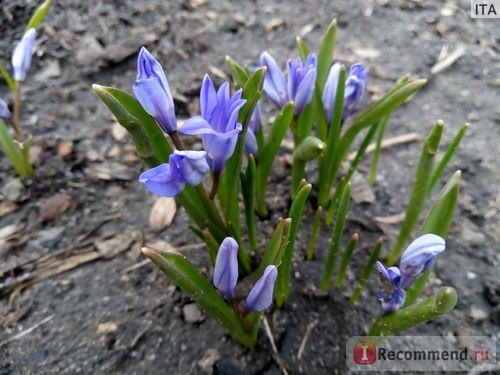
(150, 142)
(248, 191)
(238, 74)
(8, 79)
(420, 191)
(327, 169)
(369, 116)
(314, 234)
(340, 221)
(39, 15)
(367, 270)
(325, 54)
(186, 276)
(303, 48)
(345, 259)
(378, 147)
(441, 214)
(282, 288)
(438, 171)
(268, 154)
(17, 155)
(274, 251)
(440, 303)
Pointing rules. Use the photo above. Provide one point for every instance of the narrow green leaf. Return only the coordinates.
(18, 157)
(336, 237)
(367, 270)
(238, 74)
(441, 214)
(212, 244)
(450, 151)
(314, 234)
(440, 303)
(325, 54)
(378, 147)
(372, 114)
(326, 171)
(248, 191)
(186, 276)
(8, 79)
(419, 192)
(268, 154)
(345, 259)
(252, 91)
(39, 15)
(303, 48)
(150, 142)
(274, 251)
(282, 288)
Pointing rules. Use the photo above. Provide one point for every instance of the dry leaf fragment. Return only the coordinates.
(56, 205)
(117, 244)
(162, 213)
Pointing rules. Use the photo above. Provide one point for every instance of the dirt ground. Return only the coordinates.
(85, 212)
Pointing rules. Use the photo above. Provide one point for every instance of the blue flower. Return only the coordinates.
(261, 295)
(184, 167)
(299, 86)
(152, 90)
(4, 109)
(226, 267)
(218, 123)
(419, 256)
(353, 92)
(354, 88)
(21, 58)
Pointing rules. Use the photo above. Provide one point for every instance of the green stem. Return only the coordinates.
(345, 259)
(314, 234)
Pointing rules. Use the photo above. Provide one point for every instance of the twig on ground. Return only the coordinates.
(309, 329)
(276, 355)
(26, 331)
(390, 142)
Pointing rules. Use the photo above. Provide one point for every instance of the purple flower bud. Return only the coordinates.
(21, 58)
(330, 91)
(354, 88)
(226, 267)
(4, 109)
(300, 84)
(218, 123)
(184, 167)
(301, 80)
(275, 82)
(152, 90)
(419, 256)
(261, 295)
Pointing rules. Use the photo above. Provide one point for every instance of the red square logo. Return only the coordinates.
(365, 353)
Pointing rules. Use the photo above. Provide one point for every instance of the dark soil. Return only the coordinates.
(102, 316)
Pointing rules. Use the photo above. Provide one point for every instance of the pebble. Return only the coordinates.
(207, 362)
(478, 314)
(192, 313)
(47, 238)
(13, 190)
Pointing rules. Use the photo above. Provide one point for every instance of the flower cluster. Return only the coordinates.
(417, 258)
(226, 276)
(299, 86)
(218, 125)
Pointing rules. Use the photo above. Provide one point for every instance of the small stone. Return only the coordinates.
(471, 275)
(192, 313)
(207, 362)
(13, 190)
(478, 314)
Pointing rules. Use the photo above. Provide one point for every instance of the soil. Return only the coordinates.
(83, 207)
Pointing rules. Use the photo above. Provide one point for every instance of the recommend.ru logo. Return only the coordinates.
(420, 353)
